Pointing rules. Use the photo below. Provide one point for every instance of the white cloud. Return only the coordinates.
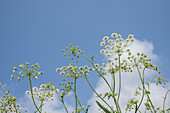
(54, 106)
(130, 81)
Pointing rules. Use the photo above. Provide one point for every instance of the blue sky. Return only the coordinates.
(36, 31)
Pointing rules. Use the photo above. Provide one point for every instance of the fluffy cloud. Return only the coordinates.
(54, 106)
(130, 81)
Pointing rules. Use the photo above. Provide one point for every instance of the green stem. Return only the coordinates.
(136, 109)
(113, 93)
(151, 81)
(113, 84)
(142, 90)
(62, 101)
(117, 105)
(96, 70)
(32, 95)
(40, 107)
(78, 100)
(98, 94)
(145, 89)
(164, 101)
(119, 79)
(2, 87)
(75, 93)
(15, 108)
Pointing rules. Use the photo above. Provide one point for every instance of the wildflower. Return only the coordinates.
(119, 36)
(96, 65)
(132, 40)
(114, 35)
(110, 41)
(105, 38)
(52, 99)
(27, 63)
(12, 77)
(52, 88)
(27, 92)
(18, 78)
(108, 55)
(90, 68)
(36, 77)
(107, 46)
(21, 65)
(102, 43)
(35, 89)
(85, 67)
(80, 68)
(58, 69)
(131, 36)
(20, 72)
(15, 69)
(102, 51)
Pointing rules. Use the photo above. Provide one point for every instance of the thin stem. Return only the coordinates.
(98, 94)
(145, 89)
(113, 84)
(75, 93)
(164, 101)
(32, 95)
(96, 70)
(142, 92)
(151, 81)
(2, 87)
(119, 79)
(113, 93)
(40, 107)
(15, 108)
(78, 100)
(136, 109)
(62, 101)
(117, 104)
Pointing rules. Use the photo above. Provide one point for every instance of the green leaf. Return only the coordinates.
(102, 107)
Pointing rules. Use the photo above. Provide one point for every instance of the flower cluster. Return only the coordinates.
(131, 104)
(116, 45)
(161, 81)
(27, 71)
(78, 109)
(44, 93)
(141, 61)
(8, 103)
(71, 50)
(113, 66)
(73, 71)
(66, 89)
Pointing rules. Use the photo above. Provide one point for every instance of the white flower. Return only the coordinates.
(102, 51)
(102, 43)
(131, 36)
(109, 41)
(105, 38)
(114, 35)
(62, 73)
(58, 69)
(35, 89)
(27, 92)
